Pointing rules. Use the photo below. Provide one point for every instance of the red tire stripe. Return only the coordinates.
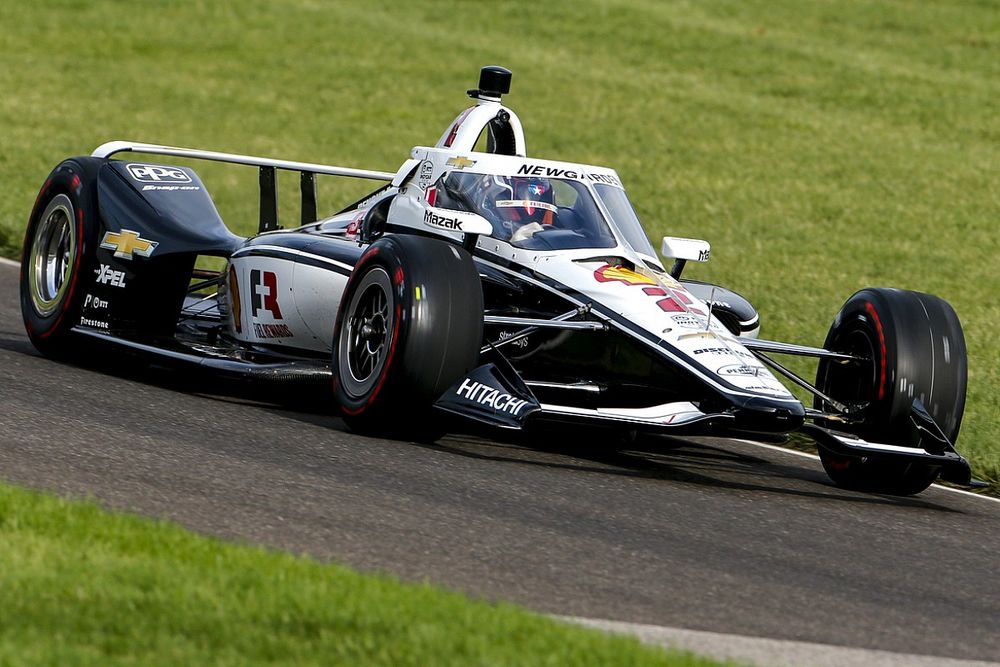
(870, 309)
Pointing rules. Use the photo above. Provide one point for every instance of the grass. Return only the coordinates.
(84, 587)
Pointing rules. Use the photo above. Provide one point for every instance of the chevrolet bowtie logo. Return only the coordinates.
(126, 242)
(460, 162)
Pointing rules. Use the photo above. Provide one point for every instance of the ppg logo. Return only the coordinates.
(153, 173)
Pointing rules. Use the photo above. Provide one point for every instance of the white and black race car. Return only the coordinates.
(491, 285)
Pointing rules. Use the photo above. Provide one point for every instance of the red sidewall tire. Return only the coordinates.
(427, 335)
(51, 296)
(916, 350)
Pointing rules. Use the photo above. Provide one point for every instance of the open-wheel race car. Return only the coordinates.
(490, 285)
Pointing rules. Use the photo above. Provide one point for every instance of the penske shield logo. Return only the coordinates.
(127, 243)
(154, 173)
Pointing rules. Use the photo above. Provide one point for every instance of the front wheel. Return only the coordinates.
(410, 326)
(912, 348)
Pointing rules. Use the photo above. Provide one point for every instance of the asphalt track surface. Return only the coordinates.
(707, 535)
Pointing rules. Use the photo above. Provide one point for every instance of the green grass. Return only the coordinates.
(821, 147)
(84, 587)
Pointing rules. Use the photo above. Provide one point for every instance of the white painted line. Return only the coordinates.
(807, 455)
(769, 652)
(9, 262)
(783, 450)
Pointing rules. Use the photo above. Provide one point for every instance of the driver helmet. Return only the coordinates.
(527, 200)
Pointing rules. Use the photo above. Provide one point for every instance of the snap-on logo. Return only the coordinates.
(154, 173)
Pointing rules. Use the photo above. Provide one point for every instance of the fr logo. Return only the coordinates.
(264, 293)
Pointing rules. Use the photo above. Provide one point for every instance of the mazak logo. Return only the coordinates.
(434, 220)
(153, 173)
(264, 293)
(108, 276)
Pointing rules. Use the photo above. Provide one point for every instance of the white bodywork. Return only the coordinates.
(675, 322)
(283, 301)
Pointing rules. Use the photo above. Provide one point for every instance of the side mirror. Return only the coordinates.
(694, 250)
(681, 250)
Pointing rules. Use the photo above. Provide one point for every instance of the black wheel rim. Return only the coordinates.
(52, 251)
(365, 342)
(853, 383)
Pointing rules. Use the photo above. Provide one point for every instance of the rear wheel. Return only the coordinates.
(409, 327)
(59, 249)
(913, 348)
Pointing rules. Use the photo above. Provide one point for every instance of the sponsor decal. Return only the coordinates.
(170, 188)
(674, 299)
(620, 274)
(236, 306)
(494, 398)
(555, 172)
(426, 172)
(153, 173)
(491, 395)
(91, 301)
(97, 324)
(703, 255)
(443, 222)
(519, 343)
(526, 203)
(723, 351)
(739, 369)
(127, 243)
(460, 162)
(108, 276)
(271, 330)
(264, 294)
(687, 321)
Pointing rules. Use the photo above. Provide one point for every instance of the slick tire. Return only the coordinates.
(914, 349)
(58, 253)
(410, 325)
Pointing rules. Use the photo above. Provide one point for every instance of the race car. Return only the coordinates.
(500, 288)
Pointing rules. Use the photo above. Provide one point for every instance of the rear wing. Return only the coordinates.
(268, 174)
